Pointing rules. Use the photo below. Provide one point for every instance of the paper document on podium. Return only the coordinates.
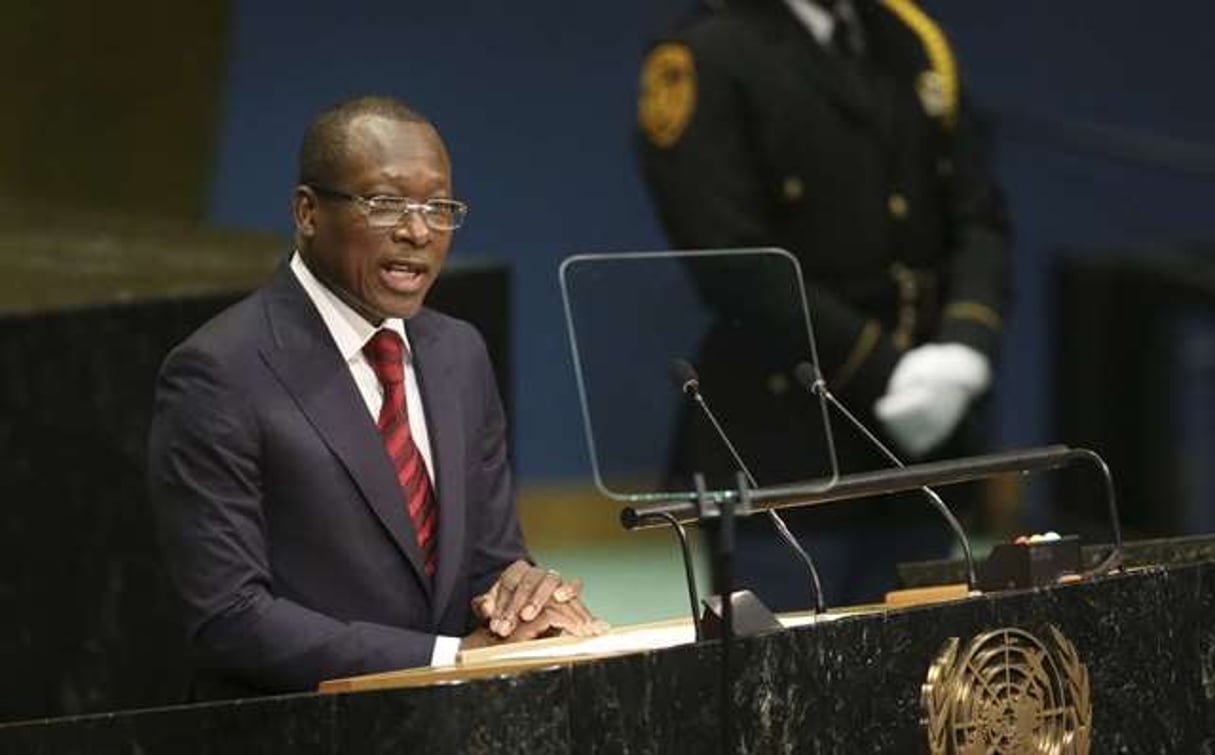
(631, 639)
(555, 651)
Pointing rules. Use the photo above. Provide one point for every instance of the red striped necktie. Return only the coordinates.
(385, 353)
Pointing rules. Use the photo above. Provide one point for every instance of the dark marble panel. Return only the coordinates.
(1181, 610)
(850, 656)
(303, 724)
(89, 620)
(656, 702)
(912, 640)
(778, 695)
(1205, 659)
(1120, 628)
(520, 714)
(852, 684)
(1137, 653)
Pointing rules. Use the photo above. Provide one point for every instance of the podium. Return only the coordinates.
(1132, 654)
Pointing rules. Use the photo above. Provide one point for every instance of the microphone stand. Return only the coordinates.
(910, 477)
(723, 574)
(724, 577)
(681, 534)
(812, 380)
(689, 384)
(1114, 559)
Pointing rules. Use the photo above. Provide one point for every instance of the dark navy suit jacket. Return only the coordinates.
(280, 516)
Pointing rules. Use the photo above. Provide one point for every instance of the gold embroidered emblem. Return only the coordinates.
(668, 93)
(1007, 692)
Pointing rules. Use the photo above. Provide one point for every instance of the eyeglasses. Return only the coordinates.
(387, 211)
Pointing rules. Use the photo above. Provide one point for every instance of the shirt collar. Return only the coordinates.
(817, 19)
(349, 329)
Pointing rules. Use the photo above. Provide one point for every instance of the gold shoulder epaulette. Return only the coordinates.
(938, 87)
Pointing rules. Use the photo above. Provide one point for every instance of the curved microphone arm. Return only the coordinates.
(692, 388)
(820, 603)
(1114, 559)
(681, 534)
(812, 380)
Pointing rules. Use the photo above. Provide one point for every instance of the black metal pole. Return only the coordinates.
(864, 484)
(689, 570)
(725, 591)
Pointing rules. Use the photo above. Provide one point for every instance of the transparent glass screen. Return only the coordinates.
(739, 320)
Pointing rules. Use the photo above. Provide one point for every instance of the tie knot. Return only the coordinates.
(385, 353)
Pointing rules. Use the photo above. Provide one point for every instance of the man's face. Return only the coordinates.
(379, 272)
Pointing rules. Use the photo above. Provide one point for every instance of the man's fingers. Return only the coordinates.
(540, 595)
(581, 611)
(510, 576)
(574, 618)
(546, 623)
(568, 590)
(525, 593)
(503, 591)
(569, 618)
(483, 604)
(591, 625)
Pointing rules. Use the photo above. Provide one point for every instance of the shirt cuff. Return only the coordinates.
(444, 653)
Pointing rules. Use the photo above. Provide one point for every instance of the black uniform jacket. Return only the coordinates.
(869, 170)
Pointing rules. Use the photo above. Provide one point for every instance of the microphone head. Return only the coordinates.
(807, 375)
(685, 375)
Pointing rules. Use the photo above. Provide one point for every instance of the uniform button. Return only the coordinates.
(793, 189)
(778, 384)
(898, 205)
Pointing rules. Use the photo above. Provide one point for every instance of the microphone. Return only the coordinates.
(689, 384)
(812, 380)
(685, 376)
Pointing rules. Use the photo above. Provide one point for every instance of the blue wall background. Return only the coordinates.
(536, 101)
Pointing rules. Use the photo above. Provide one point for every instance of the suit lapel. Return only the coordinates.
(303, 356)
(434, 366)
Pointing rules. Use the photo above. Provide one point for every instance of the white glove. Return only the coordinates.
(929, 391)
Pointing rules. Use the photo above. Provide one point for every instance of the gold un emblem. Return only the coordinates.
(1007, 692)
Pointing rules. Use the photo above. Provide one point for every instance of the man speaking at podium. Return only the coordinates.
(328, 457)
(837, 129)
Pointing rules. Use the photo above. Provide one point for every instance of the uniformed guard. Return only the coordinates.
(840, 132)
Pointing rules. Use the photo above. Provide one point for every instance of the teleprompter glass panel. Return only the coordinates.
(651, 330)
